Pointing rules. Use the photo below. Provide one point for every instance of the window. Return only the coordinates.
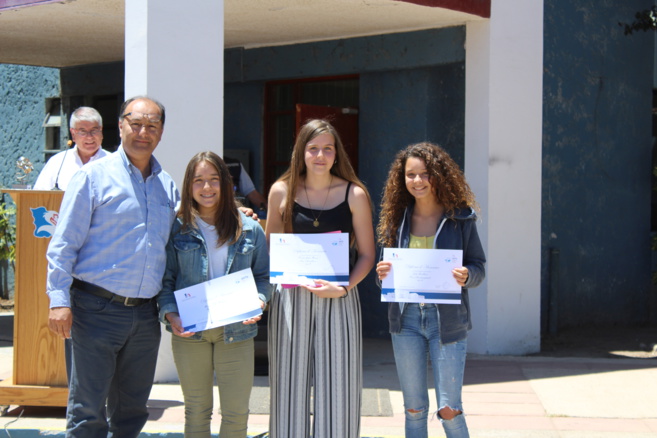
(52, 124)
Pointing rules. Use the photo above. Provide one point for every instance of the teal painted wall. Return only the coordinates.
(596, 163)
(23, 92)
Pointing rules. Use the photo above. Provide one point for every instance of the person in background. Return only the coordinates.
(106, 260)
(244, 185)
(211, 238)
(427, 203)
(315, 332)
(86, 127)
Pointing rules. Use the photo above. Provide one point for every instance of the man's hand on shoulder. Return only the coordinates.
(60, 320)
(249, 212)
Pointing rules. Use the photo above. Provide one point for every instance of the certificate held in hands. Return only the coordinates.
(422, 276)
(218, 302)
(302, 258)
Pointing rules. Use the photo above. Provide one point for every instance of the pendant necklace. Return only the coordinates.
(316, 221)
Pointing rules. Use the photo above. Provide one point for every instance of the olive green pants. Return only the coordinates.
(197, 362)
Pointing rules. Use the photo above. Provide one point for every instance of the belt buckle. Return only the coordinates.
(126, 302)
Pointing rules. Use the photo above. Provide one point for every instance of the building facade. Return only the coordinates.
(554, 132)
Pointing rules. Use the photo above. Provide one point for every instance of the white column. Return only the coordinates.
(503, 143)
(174, 52)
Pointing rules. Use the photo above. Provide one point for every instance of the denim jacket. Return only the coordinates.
(458, 232)
(187, 265)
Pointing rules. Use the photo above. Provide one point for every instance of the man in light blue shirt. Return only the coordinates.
(105, 266)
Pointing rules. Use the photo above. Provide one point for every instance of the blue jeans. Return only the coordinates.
(114, 351)
(419, 341)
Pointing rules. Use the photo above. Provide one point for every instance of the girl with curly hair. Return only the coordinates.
(315, 331)
(427, 203)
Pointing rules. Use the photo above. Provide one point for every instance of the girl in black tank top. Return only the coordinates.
(315, 330)
(337, 218)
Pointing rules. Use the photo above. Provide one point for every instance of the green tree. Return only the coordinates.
(7, 243)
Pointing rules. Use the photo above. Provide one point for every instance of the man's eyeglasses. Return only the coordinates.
(138, 121)
(84, 133)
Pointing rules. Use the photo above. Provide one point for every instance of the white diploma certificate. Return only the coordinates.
(422, 276)
(218, 302)
(302, 258)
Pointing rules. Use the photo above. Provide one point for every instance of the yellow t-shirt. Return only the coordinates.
(421, 242)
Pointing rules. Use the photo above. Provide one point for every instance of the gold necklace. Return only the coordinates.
(310, 207)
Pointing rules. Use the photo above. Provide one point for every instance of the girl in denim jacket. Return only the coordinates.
(211, 238)
(428, 204)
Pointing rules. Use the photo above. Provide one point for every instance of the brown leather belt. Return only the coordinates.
(104, 293)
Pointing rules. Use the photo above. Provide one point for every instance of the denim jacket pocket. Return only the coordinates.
(186, 245)
(190, 254)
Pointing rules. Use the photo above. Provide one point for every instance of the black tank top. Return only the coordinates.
(337, 218)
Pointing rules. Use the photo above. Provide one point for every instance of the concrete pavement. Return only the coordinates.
(504, 396)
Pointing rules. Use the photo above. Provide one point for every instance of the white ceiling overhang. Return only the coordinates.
(75, 32)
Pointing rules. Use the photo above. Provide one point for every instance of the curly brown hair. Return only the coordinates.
(447, 180)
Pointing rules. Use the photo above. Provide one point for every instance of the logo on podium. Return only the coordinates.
(44, 221)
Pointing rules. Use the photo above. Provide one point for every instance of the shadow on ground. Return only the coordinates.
(639, 342)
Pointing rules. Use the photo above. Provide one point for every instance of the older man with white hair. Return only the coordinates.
(87, 132)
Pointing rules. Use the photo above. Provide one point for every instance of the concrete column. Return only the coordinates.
(503, 152)
(174, 52)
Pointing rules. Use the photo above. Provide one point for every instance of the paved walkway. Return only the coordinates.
(506, 397)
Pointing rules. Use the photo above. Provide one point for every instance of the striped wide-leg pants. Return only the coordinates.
(314, 342)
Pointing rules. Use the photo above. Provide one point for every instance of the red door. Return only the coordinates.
(345, 121)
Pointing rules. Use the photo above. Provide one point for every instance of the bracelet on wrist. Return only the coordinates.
(346, 291)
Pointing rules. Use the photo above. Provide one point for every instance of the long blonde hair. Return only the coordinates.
(293, 175)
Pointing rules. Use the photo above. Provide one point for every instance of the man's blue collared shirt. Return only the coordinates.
(112, 230)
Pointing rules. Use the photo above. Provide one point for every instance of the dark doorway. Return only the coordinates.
(281, 99)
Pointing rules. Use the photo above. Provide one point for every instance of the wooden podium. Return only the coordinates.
(39, 370)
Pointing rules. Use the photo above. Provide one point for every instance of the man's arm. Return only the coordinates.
(70, 234)
(256, 199)
(247, 188)
(46, 179)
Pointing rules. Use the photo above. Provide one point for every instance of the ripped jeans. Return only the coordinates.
(419, 341)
